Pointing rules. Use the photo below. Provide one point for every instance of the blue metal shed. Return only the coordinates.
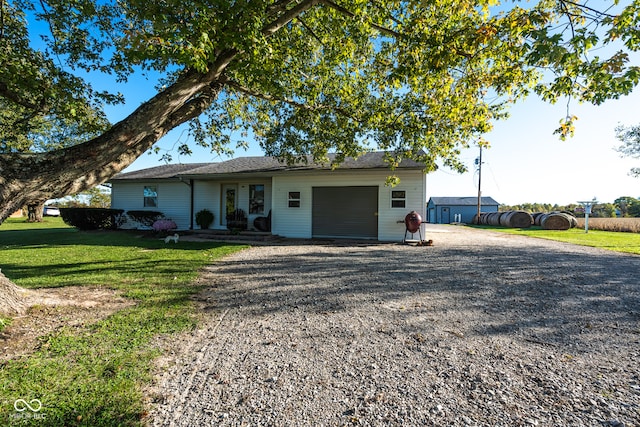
(445, 210)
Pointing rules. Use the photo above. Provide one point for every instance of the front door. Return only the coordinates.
(229, 201)
(445, 216)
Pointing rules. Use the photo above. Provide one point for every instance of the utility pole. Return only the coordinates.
(479, 165)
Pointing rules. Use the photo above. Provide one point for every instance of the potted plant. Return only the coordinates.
(204, 218)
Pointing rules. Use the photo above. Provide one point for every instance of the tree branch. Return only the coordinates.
(96, 160)
(288, 16)
(570, 17)
(313, 34)
(381, 7)
(350, 14)
(1, 19)
(194, 107)
(248, 91)
(300, 105)
(585, 7)
(278, 6)
(12, 96)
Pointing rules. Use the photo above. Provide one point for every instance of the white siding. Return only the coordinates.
(173, 199)
(296, 222)
(206, 195)
(286, 221)
(414, 185)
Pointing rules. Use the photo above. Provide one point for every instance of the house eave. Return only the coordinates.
(300, 171)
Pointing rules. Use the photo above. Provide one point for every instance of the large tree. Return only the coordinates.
(42, 134)
(630, 138)
(628, 206)
(34, 117)
(417, 78)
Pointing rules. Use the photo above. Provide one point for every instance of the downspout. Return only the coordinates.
(191, 205)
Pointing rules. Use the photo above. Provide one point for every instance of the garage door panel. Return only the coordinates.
(345, 212)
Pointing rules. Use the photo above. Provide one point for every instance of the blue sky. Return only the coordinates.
(528, 163)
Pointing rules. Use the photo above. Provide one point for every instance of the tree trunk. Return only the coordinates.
(29, 177)
(35, 211)
(12, 298)
(25, 177)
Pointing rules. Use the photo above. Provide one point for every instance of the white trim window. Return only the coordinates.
(256, 199)
(294, 199)
(398, 199)
(150, 194)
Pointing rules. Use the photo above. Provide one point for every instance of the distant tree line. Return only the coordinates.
(96, 197)
(626, 207)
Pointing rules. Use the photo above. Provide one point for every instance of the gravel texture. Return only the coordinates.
(481, 329)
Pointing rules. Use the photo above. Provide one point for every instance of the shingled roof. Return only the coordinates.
(462, 201)
(159, 172)
(373, 160)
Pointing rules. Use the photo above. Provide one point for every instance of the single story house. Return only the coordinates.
(305, 200)
(445, 210)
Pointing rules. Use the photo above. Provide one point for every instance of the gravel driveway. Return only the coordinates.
(482, 329)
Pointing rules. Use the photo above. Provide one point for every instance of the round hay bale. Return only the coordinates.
(516, 219)
(539, 219)
(493, 218)
(536, 217)
(572, 218)
(504, 218)
(574, 221)
(556, 221)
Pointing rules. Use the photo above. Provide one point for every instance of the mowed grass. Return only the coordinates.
(94, 374)
(610, 240)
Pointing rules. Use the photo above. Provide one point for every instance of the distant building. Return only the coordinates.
(445, 210)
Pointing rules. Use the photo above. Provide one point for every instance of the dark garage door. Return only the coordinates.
(345, 212)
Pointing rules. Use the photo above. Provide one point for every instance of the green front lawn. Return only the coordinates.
(93, 374)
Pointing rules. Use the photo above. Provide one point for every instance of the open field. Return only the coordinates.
(86, 350)
(628, 225)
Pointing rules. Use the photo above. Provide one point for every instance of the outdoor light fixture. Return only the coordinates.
(587, 210)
